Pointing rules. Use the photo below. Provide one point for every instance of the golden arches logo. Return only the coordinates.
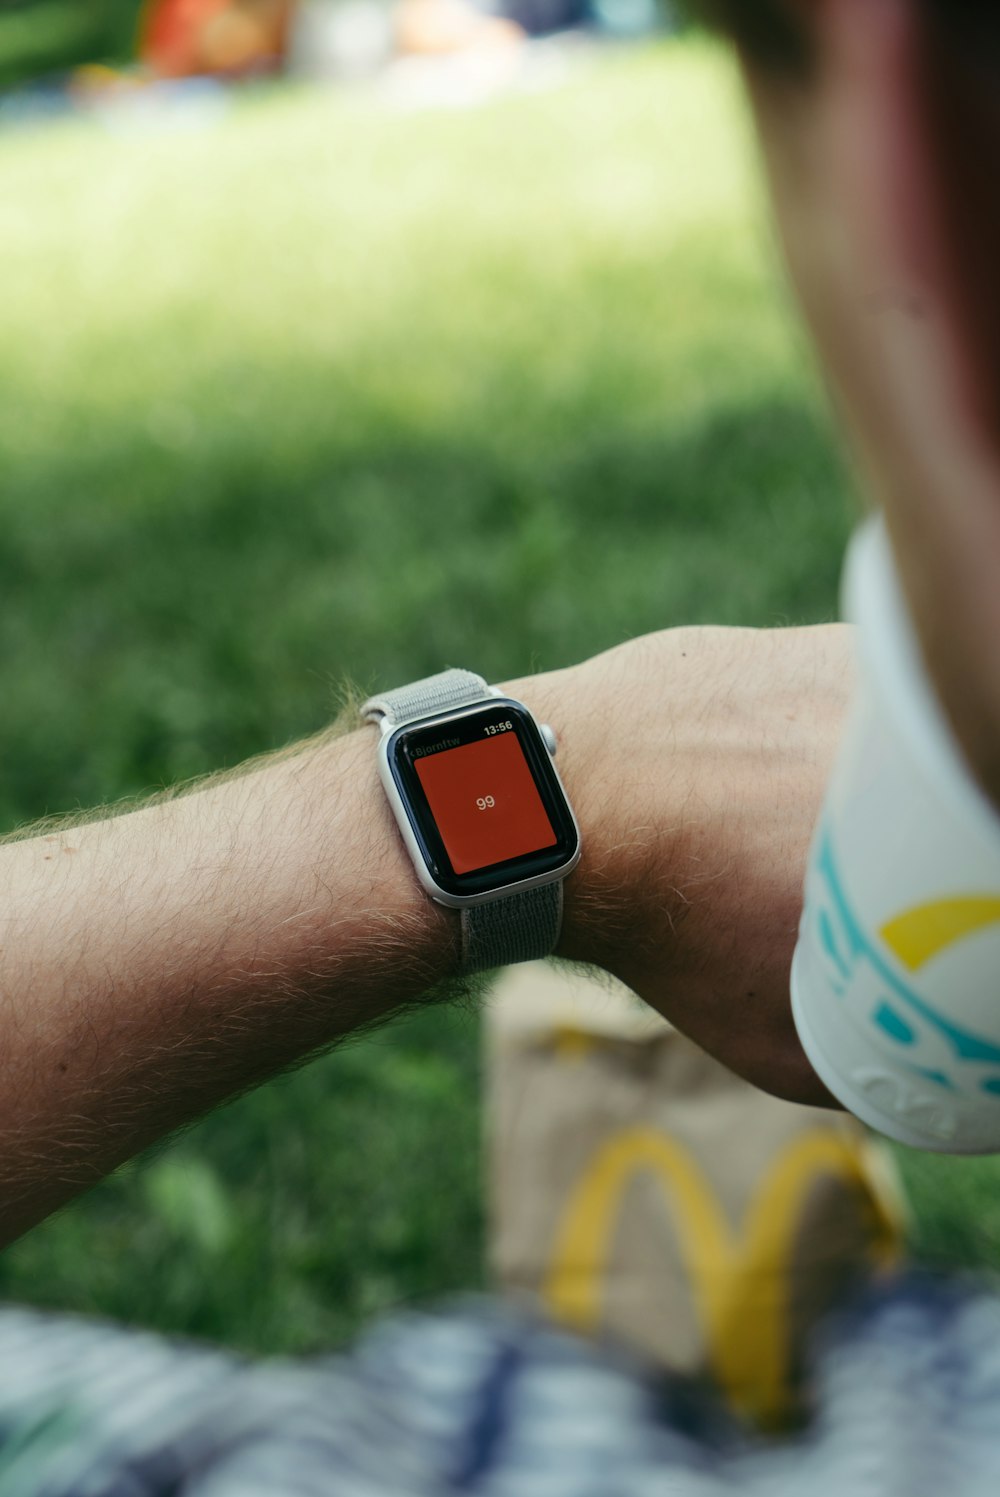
(928, 929)
(740, 1281)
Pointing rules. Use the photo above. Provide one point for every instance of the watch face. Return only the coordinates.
(482, 798)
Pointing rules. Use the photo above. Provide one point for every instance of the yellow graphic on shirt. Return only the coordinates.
(921, 933)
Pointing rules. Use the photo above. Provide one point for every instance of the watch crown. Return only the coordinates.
(548, 738)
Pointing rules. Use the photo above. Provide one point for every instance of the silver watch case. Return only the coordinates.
(389, 730)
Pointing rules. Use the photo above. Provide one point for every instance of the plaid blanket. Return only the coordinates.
(906, 1389)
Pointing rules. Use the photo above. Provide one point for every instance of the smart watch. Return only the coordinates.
(471, 780)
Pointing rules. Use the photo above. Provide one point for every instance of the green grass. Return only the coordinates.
(331, 390)
(43, 37)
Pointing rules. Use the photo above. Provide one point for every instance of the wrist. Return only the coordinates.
(696, 760)
(599, 913)
(384, 933)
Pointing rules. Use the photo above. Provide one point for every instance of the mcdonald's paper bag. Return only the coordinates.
(640, 1192)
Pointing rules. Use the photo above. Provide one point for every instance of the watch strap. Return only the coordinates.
(517, 927)
(441, 693)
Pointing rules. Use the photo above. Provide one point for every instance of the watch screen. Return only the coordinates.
(484, 800)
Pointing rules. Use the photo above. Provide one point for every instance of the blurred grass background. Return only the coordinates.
(38, 37)
(329, 390)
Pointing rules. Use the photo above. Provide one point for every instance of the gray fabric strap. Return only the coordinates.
(518, 927)
(424, 698)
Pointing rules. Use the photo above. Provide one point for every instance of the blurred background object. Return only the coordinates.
(343, 39)
(182, 38)
(234, 39)
(644, 1196)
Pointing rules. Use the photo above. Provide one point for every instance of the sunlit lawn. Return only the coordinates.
(327, 390)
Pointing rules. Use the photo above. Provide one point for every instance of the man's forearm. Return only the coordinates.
(155, 963)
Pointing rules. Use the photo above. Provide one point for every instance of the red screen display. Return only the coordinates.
(485, 803)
